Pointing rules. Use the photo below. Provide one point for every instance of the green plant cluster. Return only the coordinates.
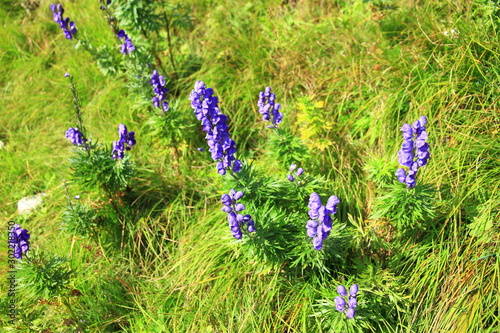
(145, 247)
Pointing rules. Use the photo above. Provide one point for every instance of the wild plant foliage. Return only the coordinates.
(198, 198)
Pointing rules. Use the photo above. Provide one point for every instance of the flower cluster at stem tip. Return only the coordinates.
(213, 121)
(236, 220)
(414, 151)
(127, 47)
(268, 108)
(348, 307)
(299, 172)
(19, 240)
(160, 90)
(126, 142)
(66, 25)
(320, 225)
(75, 136)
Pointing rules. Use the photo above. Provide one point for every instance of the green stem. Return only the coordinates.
(73, 315)
(169, 40)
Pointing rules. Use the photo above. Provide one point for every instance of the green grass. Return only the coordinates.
(375, 65)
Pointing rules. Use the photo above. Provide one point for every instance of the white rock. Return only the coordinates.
(28, 204)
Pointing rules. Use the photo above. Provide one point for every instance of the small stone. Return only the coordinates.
(29, 204)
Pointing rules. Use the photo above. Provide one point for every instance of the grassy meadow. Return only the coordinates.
(348, 75)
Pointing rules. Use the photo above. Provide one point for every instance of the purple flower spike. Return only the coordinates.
(126, 142)
(291, 178)
(414, 151)
(18, 240)
(160, 90)
(75, 136)
(214, 123)
(236, 221)
(65, 24)
(348, 306)
(127, 47)
(320, 225)
(269, 109)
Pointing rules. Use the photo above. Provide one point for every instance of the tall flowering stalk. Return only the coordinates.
(19, 240)
(213, 121)
(269, 108)
(126, 142)
(414, 152)
(348, 307)
(65, 24)
(233, 208)
(320, 224)
(160, 90)
(77, 134)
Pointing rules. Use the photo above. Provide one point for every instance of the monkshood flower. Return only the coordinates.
(348, 307)
(233, 208)
(299, 172)
(320, 224)
(414, 152)
(213, 121)
(160, 91)
(19, 240)
(66, 25)
(75, 136)
(126, 142)
(127, 46)
(268, 108)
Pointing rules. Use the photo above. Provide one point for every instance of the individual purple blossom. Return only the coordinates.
(320, 224)
(127, 47)
(348, 307)
(19, 240)
(75, 136)
(235, 218)
(214, 123)
(342, 291)
(414, 152)
(126, 142)
(269, 108)
(299, 172)
(160, 90)
(65, 24)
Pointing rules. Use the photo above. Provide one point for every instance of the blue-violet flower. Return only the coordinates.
(213, 121)
(126, 142)
(19, 240)
(160, 91)
(75, 136)
(320, 225)
(235, 218)
(347, 307)
(268, 108)
(414, 152)
(127, 47)
(66, 25)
